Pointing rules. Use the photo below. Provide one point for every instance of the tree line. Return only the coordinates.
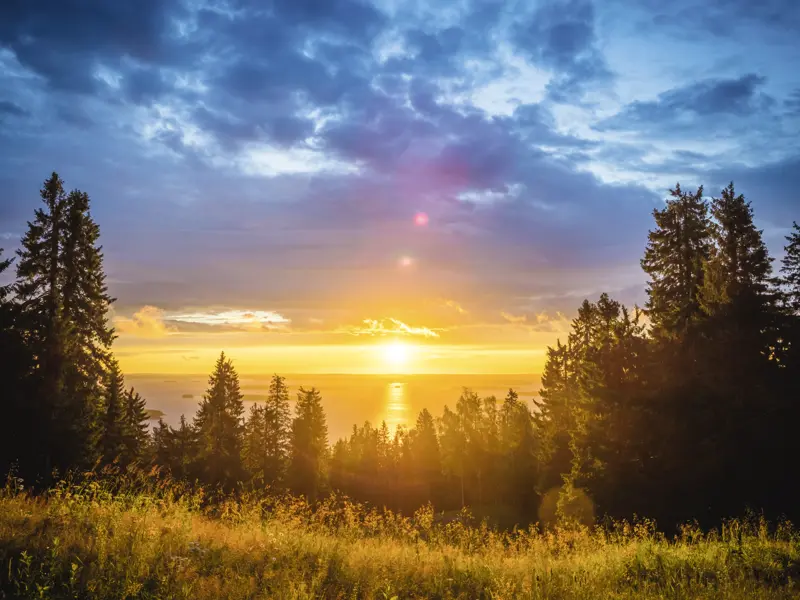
(684, 409)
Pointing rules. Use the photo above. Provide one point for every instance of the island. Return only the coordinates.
(188, 396)
(153, 413)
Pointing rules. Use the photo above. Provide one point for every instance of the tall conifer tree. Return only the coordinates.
(136, 436)
(219, 425)
(112, 435)
(676, 252)
(309, 444)
(277, 431)
(63, 300)
(790, 269)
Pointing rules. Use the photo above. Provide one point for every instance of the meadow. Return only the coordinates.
(146, 537)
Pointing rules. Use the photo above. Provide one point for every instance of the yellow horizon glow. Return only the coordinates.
(377, 358)
(152, 341)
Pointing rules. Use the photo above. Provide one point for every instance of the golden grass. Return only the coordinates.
(149, 538)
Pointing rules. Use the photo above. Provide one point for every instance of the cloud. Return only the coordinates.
(10, 108)
(456, 307)
(697, 103)
(148, 322)
(560, 35)
(383, 327)
(513, 318)
(277, 157)
(237, 319)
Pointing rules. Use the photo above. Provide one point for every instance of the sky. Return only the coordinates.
(260, 169)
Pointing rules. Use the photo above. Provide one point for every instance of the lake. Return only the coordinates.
(347, 399)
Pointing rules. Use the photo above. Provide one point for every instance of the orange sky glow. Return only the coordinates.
(154, 341)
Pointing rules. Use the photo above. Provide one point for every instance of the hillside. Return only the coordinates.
(155, 541)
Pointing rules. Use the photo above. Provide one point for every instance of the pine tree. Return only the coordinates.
(426, 456)
(253, 442)
(4, 289)
(676, 252)
(112, 436)
(554, 417)
(85, 308)
(136, 435)
(519, 448)
(63, 302)
(790, 269)
(309, 445)
(277, 430)
(219, 426)
(739, 261)
(267, 432)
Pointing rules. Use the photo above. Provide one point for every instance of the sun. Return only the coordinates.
(396, 353)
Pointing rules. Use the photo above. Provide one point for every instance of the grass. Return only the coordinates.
(149, 538)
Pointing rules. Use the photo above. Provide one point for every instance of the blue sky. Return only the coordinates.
(271, 156)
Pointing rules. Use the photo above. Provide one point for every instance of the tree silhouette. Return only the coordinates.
(112, 435)
(309, 445)
(136, 438)
(676, 251)
(63, 301)
(219, 426)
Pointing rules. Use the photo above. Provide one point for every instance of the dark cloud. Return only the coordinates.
(723, 18)
(156, 111)
(560, 35)
(66, 41)
(702, 100)
(10, 108)
(772, 188)
(792, 103)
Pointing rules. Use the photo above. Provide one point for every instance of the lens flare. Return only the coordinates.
(421, 219)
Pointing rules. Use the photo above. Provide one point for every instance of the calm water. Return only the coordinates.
(348, 399)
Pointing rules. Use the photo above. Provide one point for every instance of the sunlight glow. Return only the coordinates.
(396, 354)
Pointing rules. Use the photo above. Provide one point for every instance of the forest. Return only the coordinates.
(683, 410)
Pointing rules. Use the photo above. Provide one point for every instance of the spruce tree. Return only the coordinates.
(790, 269)
(676, 251)
(4, 289)
(253, 442)
(309, 445)
(176, 450)
(519, 448)
(739, 260)
(136, 435)
(85, 308)
(277, 430)
(38, 292)
(112, 436)
(219, 425)
(426, 456)
(63, 302)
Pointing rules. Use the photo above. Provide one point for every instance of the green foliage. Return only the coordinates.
(267, 436)
(219, 426)
(676, 252)
(112, 437)
(790, 269)
(62, 301)
(309, 445)
(176, 450)
(136, 437)
(135, 536)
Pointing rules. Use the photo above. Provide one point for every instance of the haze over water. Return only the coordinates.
(348, 399)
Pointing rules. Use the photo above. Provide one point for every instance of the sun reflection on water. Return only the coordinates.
(396, 412)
